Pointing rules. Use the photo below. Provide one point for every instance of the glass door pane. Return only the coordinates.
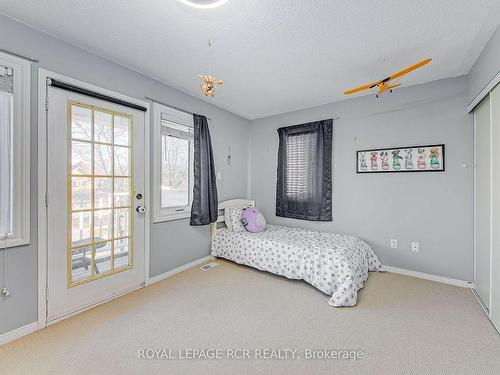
(100, 186)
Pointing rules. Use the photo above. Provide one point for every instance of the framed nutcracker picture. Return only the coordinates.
(428, 158)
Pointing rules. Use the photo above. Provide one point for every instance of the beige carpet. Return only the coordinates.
(401, 324)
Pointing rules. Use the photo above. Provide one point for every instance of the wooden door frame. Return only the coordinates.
(43, 75)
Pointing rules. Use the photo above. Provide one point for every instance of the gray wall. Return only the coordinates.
(486, 66)
(434, 209)
(173, 243)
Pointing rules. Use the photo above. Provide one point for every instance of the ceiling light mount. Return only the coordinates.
(204, 4)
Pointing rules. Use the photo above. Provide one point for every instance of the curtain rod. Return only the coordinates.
(79, 90)
(30, 59)
(171, 106)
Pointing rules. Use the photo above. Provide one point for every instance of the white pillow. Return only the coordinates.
(232, 217)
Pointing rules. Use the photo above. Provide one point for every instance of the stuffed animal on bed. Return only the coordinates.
(253, 220)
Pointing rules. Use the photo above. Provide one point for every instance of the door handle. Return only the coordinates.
(140, 209)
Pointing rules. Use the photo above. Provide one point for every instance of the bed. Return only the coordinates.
(336, 264)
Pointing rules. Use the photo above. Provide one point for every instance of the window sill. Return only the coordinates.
(171, 217)
(13, 242)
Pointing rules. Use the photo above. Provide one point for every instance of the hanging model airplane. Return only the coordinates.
(387, 84)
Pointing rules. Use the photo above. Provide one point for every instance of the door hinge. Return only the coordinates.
(47, 293)
(46, 199)
(47, 103)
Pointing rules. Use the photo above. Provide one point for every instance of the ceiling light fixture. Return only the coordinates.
(204, 4)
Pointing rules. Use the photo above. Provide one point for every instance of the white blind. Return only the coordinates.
(169, 127)
(298, 165)
(6, 101)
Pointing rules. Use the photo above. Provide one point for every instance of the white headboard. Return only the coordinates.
(240, 203)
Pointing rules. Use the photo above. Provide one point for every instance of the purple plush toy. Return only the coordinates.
(253, 220)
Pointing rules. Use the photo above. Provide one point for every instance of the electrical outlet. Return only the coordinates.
(394, 243)
(415, 247)
(219, 176)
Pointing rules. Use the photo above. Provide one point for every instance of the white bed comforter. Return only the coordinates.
(336, 264)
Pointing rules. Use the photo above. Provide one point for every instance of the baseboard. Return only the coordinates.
(18, 333)
(184, 267)
(485, 309)
(481, 302)
(428, 276)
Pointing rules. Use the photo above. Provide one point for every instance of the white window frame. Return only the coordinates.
(181, 118)
(21, 152)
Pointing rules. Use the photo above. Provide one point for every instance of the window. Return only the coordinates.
(14, 151)
(304, 184)
(99, 207)
(173, 160)
(299, 157)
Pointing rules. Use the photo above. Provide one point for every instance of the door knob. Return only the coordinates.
(140, 209)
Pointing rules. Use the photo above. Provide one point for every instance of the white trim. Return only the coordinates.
(161, 218)
(428, 276)
(485, 91)
(21, 151)
(492, 185)
(178, 117)
(18, 333)
(476, 293)
(485, 309)
(474, 205)
(175, 271)
(481, 302)
(42, 180)
(494, 208)
(147, 190)
(42, 211)
(486, 97)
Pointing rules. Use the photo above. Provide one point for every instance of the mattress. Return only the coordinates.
(336, 264)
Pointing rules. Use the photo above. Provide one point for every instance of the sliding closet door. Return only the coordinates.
(495, 248)
(483, 201)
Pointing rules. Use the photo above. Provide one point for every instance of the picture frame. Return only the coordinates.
(427, 158)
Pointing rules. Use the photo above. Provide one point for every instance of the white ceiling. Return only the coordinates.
(274, 55)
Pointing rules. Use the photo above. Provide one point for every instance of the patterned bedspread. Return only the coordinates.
(336, 264)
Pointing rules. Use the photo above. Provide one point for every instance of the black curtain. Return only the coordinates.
(304, 185)
(205, 201)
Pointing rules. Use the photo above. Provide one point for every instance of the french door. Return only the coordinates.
(95, 214)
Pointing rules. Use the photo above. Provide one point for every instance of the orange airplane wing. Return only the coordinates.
(407, 70)
(361, 88)
(390, 78)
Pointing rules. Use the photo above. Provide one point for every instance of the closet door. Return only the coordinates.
(495, 227)
(483, 201)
